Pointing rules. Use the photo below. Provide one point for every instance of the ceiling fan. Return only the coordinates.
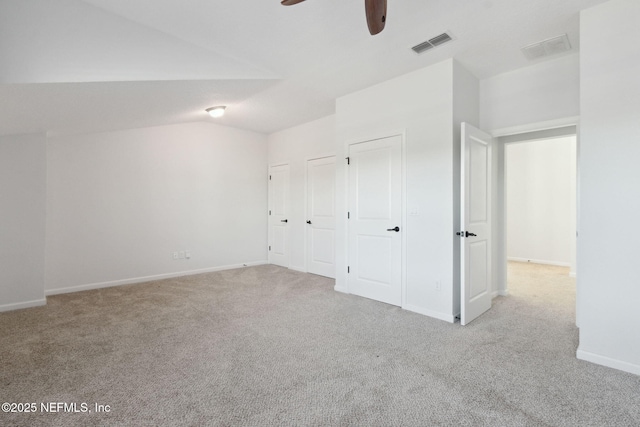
(376, 11)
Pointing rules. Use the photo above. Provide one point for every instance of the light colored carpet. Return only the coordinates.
(266, 346)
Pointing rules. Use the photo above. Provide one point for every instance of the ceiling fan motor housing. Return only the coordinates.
(376, 12)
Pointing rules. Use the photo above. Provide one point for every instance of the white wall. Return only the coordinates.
(541, 93)
(420, 105)
(608, 252)
(544, 95)
(22, 220)
(120, 203)
(540, 195)
(295, 146)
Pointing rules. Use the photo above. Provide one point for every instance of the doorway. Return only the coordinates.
(537, 215)
(540, 193)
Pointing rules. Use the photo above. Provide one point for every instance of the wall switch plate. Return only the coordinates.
(181, 254)
(175, 255)
(187, 254)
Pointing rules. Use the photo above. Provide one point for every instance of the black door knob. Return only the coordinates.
(308, 222)
(467, 234)
(396, 229)
(284, 220)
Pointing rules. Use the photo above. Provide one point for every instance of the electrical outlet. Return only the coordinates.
(181, 254)
(438, 285)
(175, 255)
(187, 254)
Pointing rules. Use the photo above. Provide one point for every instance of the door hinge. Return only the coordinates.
(269, 212)
(348, 215)
(269, 177)
(269, 247)
(348, 160)
(348, 270)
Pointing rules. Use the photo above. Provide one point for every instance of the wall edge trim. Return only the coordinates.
(531, 127)
(608, 362)
(142, 279)
(540, 261)
(21, 305)
(430, 313)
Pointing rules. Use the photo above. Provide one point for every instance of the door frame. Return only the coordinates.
(288, 201)
(538, 131)
(403, 216)
(306, 204)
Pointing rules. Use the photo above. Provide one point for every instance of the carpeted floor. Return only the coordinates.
(266, 346)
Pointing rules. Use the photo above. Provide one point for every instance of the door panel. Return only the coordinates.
(375, 208)
(279, 241)
(373, 184)
(278, 215)
(477, 256)
(478, 182)
(475, 220)
(375, 247)
(322, 247)
(321, 184)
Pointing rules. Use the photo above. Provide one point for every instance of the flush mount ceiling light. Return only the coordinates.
(216, 112)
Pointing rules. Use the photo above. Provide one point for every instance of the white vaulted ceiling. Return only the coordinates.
(95, 65)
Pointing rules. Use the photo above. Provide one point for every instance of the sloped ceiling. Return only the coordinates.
(96, 65)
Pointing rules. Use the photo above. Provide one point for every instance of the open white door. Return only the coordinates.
(321, 222)
(375, 219)
(278, 215)
(475, 237)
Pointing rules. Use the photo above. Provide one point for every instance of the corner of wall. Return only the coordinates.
(23, 190)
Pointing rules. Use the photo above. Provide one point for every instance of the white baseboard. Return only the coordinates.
(572, 274)
(441, 316)
(300, 269)
(502, 293)
(21, 305)
(143, 279)
(608, 362)
(540, 261)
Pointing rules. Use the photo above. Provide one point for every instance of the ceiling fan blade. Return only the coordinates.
(376, 15)
(290, 2)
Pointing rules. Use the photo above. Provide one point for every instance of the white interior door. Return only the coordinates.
(375, 214)
(475, 237)
(321, 222)
(278, 215)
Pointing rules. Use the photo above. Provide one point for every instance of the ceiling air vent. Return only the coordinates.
(431, 43)
(547, 47)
